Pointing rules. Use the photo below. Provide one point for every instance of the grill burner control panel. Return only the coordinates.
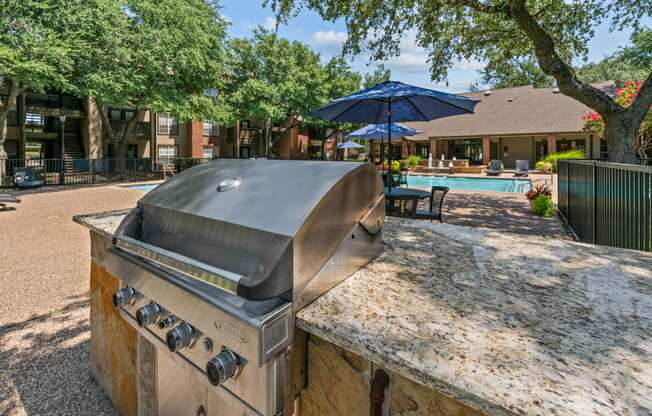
(180, 336)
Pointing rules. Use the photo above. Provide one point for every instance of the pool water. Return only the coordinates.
(142, 188)
(471, 184)
(464, 184)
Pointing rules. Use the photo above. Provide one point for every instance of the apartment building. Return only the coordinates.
(42, 126)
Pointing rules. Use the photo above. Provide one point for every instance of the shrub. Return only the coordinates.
(539, 190)
(413, 161)
(396, 165)
(543, 206)
(552, 158)
(543, 166)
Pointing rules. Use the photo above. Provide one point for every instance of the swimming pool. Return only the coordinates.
(471, 184)
(464, 184)
(142, 188)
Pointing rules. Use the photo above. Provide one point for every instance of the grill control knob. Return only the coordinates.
(167, 322)
(180, 337)
(148, 314)
(224, 366)
(124, 296)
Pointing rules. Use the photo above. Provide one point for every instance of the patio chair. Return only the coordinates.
(395, 180)
(405, 207)
(495, 168)
(522, 168)
(402, 178)
(8, 199)
(437, 194)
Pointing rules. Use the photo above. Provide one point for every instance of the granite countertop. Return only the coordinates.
(507, 324)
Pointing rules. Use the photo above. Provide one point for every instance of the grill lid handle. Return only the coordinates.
(372, 221)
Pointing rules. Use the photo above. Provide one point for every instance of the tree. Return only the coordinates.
(339, 80)
(36, 51)
(625, 96)
(163, 56)
(515, 73)
(274, 80)
(632, 62)
(553, 31)
(380, 74)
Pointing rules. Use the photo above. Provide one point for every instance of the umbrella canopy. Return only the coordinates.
(350, 145)
(394, 101)
(379, 131)
(408, 103)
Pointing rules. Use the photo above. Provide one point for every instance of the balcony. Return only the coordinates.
(53, 101)
(142, 130)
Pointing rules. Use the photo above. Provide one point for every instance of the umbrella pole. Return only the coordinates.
(389, 144)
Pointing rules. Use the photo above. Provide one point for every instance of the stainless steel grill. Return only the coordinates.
(215, 262)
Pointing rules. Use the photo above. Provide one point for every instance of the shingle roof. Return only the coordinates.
(512, 111)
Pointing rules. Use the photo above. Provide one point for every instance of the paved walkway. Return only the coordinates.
(44, 274)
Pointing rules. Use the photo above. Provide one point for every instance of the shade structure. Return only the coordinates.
(379, 131)
(349, 145)
(395, 101)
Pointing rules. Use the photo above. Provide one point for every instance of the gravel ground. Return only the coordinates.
(44, 276)
(44, 325)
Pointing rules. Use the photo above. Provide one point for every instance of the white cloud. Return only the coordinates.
(270, 23)
(329, 39)
(468, 65)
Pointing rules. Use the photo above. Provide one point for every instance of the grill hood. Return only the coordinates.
(261, 228)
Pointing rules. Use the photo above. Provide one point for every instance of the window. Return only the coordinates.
(211, 128)
(35, 122)
(208, 152)
(132, 151)
(167, 151)
(167, 125)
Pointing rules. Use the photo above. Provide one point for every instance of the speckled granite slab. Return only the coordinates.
(506, 324)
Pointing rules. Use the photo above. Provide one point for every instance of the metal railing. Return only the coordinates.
(93, 171)
(607, 203)
(142, 130)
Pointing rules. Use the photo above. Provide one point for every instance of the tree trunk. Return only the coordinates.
(620, 135)
(13, 90)
(3, 137)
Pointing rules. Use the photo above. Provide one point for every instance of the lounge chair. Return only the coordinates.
(495, 168)
(8, 199)
(522, 168)
(437, 194)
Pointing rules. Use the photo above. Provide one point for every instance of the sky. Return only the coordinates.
(410, 67)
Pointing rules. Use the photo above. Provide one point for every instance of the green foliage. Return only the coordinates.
(272, 78)
(543, 166)
(37, 42)
(413, 161)
(542, 205)
(461, 30)
(396, 165)
(162, 55)
(515, 72)
(380, 74)
(629, 63)
(552, 158)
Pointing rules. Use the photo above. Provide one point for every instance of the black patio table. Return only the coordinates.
(402, 193)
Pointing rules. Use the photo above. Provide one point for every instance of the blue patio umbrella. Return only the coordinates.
(395, 101)
(349, 145)
(379, 131)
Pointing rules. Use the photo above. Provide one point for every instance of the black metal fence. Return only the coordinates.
(607, 203)
(94, 171)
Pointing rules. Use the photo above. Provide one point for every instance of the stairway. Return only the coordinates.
(73, 150)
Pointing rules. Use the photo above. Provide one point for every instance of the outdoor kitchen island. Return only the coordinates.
(463, 320)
